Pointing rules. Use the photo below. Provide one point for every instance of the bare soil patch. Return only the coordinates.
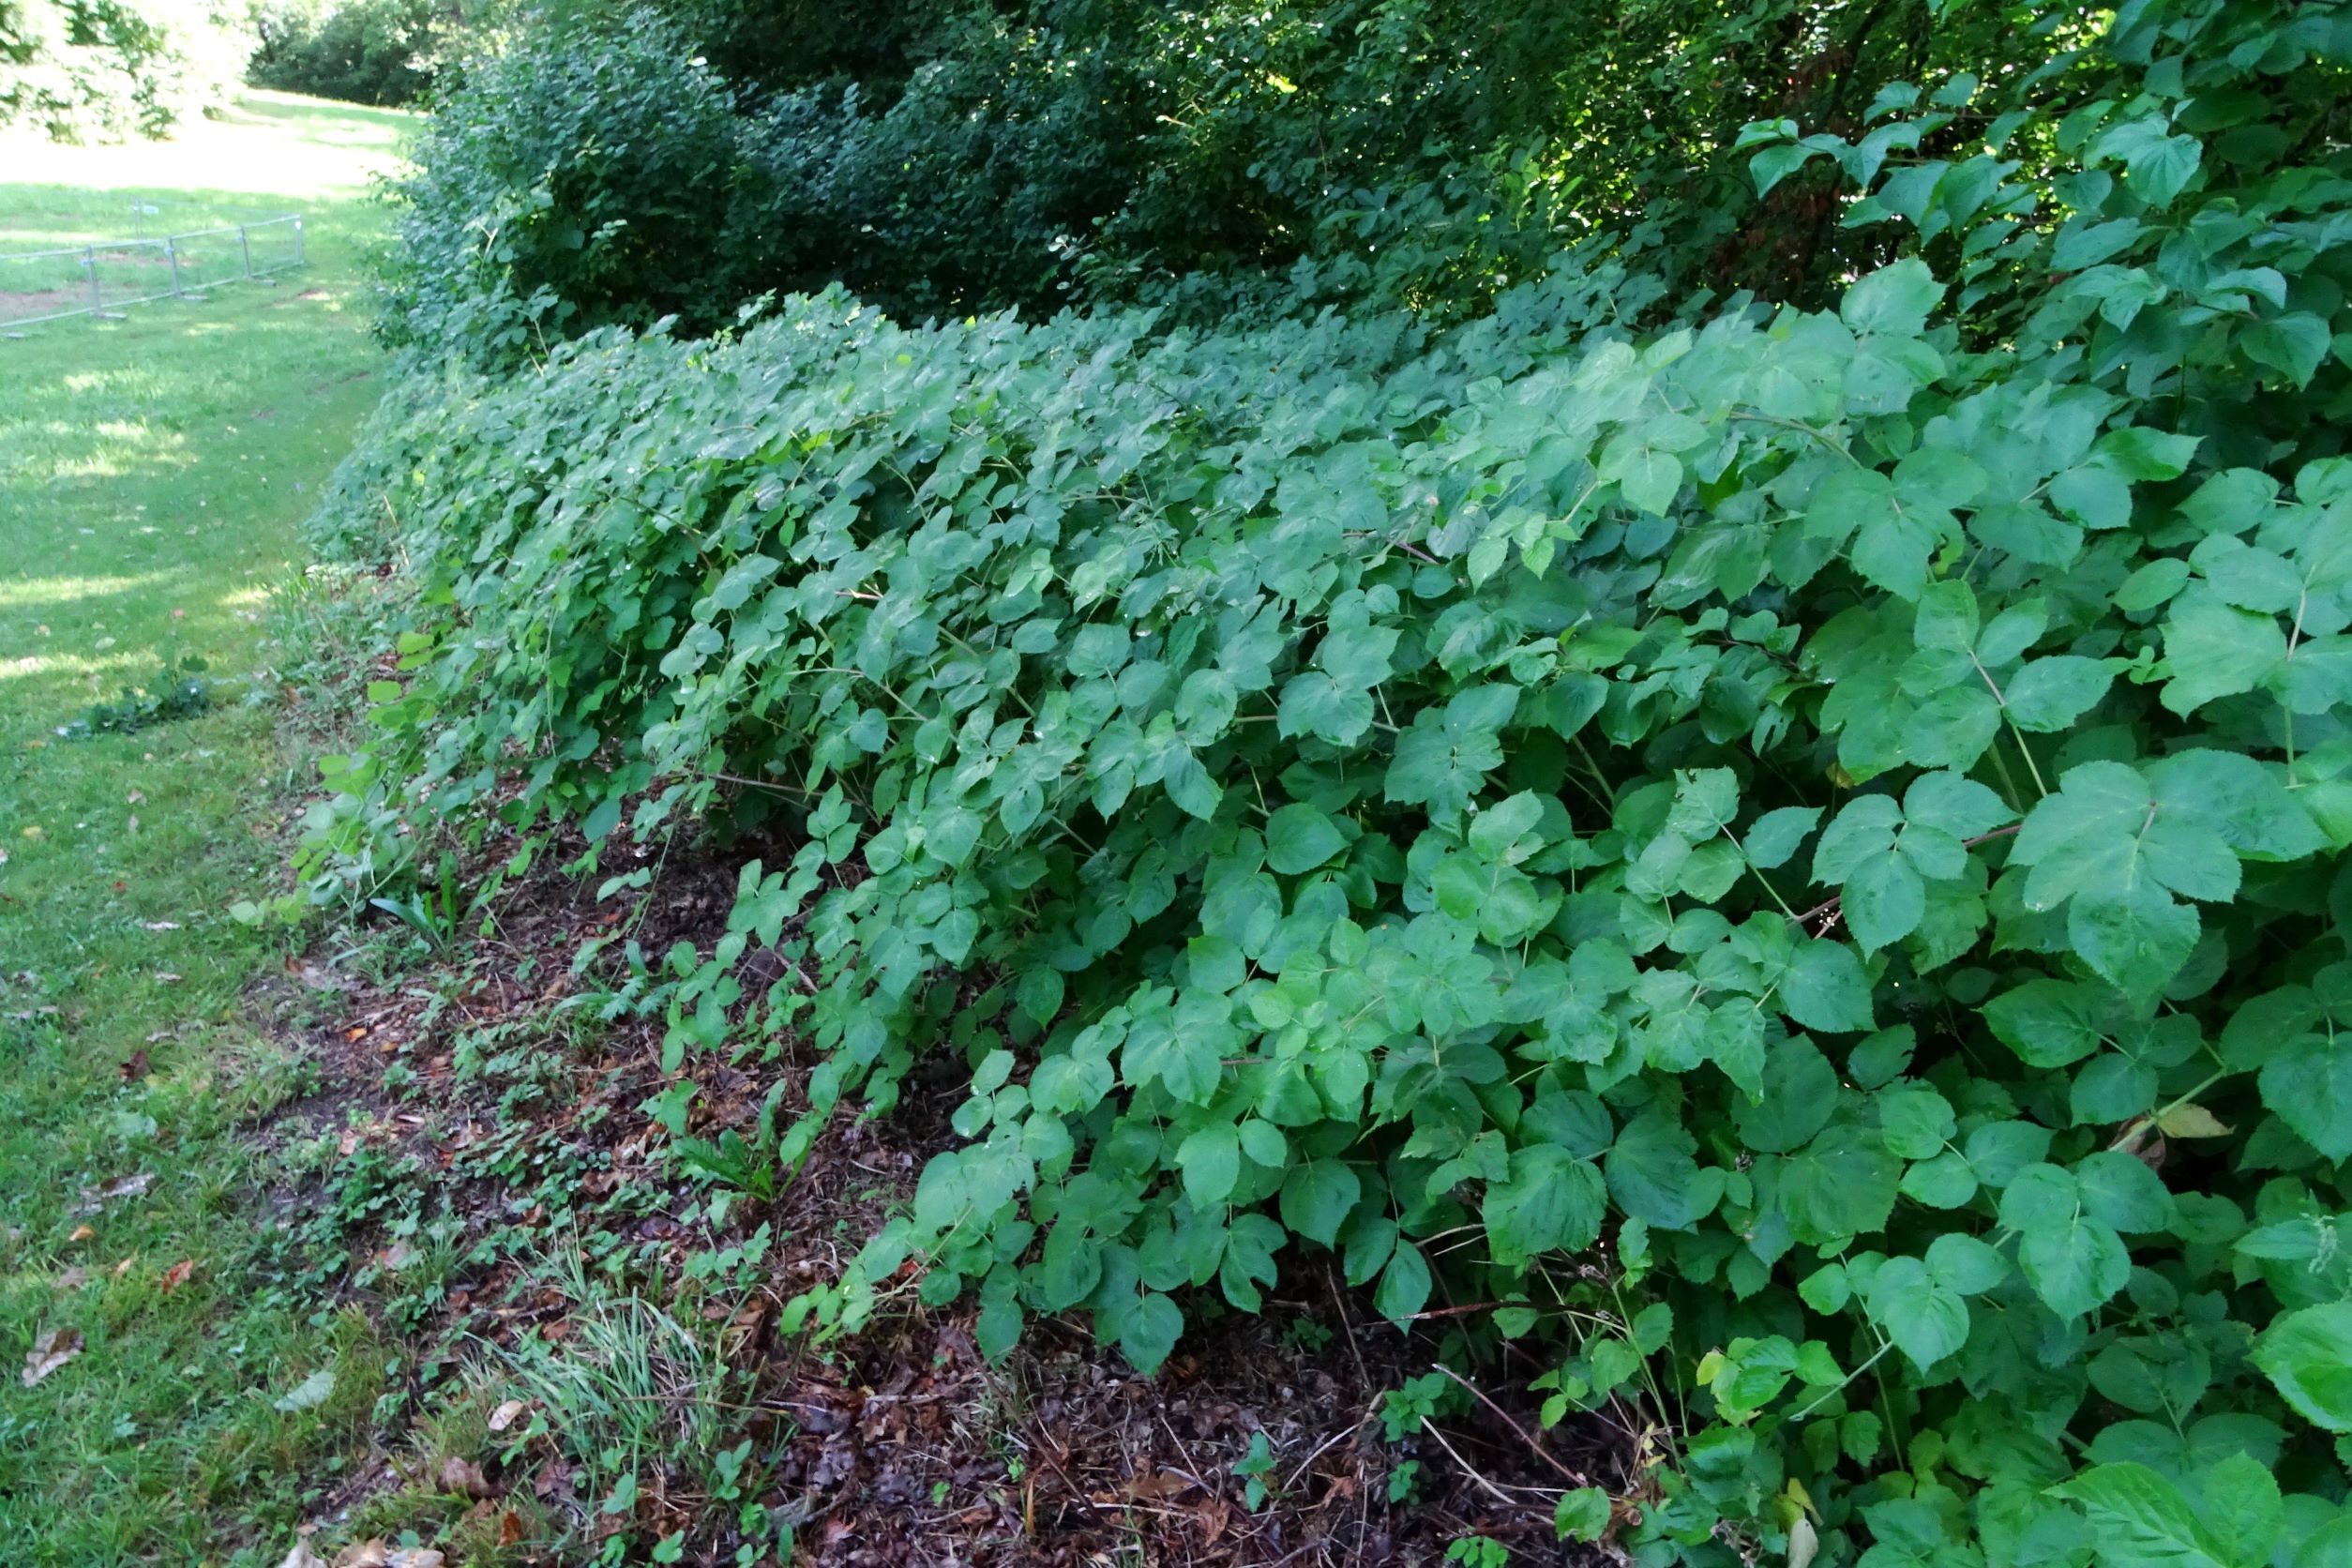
(901, 1445)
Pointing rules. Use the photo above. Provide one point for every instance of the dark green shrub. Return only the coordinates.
(383, 51)
(583, 176)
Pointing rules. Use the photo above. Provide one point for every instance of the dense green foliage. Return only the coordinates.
(959, 157)
(1797, 856)
(383, 51)
(583, 181)
(79, 68)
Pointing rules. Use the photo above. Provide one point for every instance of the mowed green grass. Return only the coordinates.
(153, 471)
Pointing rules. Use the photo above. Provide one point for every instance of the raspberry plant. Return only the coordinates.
(1796, 856)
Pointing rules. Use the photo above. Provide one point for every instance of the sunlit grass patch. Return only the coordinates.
(152, 472)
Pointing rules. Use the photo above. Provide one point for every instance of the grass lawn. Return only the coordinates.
(152, 474)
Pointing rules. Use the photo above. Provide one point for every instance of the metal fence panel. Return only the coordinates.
(106, 276)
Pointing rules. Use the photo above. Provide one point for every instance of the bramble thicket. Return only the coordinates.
(1751, 781)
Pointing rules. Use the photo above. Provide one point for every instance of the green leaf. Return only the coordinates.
(2213, 649)
(2307, 1355)
(1646, 477)
(1582, 1514)
(2047, 1023)
(2051, 693)
(1953, 804)
(2137, 452)
(2117, 1189)
(1945, 1182)
(1189, 1058)
(1860, 834)
(2159, 167)
(2295, 345)
(1189, 786)
(1964, 1264)
(1844, 502)
(1825, 988)
(2136, 935)
(2152, 584)
(1895, 298)
(1263, 1142)
(1149, 1330)
(1772, 165)
(2142, 1520)
(2308, 1081)
(1914, 1120)
(1800, 1095)
(740, 580)
(1365, 1246)
(1551, 1203)
(2242, 1505)
(1442, 760)
(1404, 1288)
(1947, 617)
(1952, 728)
(1772, 838)
(1827, 1289)
(1316, 1197)
(1205, 707)
(1925, 1318)
(1653, 1178)
(1210, 1159)
(1892, 548)
(1884, 901)
(1841, 1184)
(2073, 1263)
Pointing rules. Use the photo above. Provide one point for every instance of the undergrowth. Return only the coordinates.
(1793, 866)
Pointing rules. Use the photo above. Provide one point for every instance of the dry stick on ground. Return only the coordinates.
(1502, 1496)
(1518, 1431)
(1328, 1443)
(1347, 1324)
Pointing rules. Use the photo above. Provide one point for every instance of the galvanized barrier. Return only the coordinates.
(102, 276)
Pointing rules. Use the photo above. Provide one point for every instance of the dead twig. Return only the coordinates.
(1516, 1430)
(1501, 1495)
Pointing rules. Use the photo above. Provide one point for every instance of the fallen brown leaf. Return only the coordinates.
(303, 1557)
(51, 1352)
(176, 1275)
(73, 1278)
(82, 1232)
(124, 1267)
(1162, 1484)
(464, 1478)
(415, 1557)
(134, 1069)
(506, 1415)
(366, 1554)
(510, 1527)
